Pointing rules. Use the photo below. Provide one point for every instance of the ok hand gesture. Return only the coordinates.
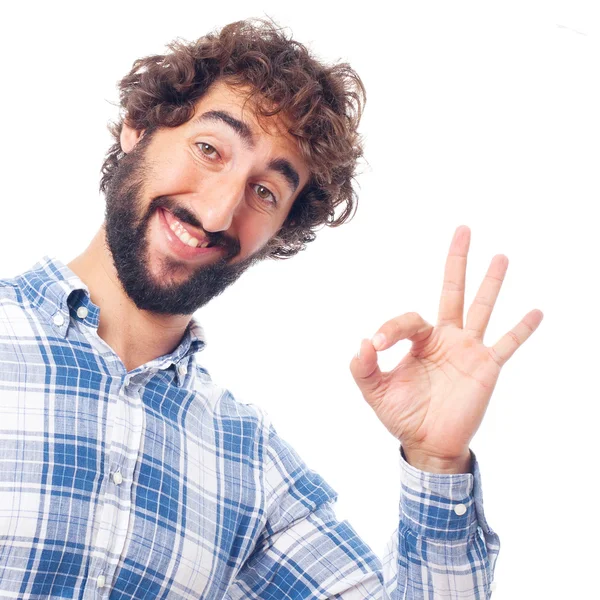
(434, 400)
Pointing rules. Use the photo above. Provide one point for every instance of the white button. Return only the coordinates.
(101, 581)
(58, 319)
(117, 477)
(493, 586)
(82, 312)
(460, 509)
(182, 370)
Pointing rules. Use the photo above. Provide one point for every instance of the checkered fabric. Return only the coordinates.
(157, 483)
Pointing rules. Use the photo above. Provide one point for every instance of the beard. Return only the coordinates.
(126, 224)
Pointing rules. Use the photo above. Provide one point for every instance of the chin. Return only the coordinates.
(167, 271)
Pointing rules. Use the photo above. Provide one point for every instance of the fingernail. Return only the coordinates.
(359, 349)
(378, 341)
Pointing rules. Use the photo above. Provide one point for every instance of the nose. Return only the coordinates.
(218, 204)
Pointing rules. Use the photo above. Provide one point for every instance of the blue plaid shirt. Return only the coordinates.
(157, 483)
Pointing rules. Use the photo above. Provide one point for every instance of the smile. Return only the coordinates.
(185, 236)
(185, 243)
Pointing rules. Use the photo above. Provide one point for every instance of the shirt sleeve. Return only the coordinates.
(442, 549)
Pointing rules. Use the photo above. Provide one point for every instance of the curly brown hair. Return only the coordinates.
(322, 105)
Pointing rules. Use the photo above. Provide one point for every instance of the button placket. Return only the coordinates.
(124, 449)
(125, 436)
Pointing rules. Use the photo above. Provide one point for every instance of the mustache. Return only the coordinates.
(215, 238)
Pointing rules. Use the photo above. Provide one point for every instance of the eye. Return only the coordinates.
(207, 150)
(264, 193)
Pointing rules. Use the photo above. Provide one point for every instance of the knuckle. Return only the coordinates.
(495, 357)
(514, 337)
(483, 301)
(444, 321)
(529, 327)
(400, 322)
(452, 286)
(495, 279)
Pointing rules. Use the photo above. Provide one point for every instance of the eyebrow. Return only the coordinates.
(238, 126)
(284, 166)
(279, 165)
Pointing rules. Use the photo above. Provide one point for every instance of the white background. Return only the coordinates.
(479, 114)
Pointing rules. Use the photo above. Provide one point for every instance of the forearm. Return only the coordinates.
(444, 547)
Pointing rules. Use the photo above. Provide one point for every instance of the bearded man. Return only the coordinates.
(126, 472)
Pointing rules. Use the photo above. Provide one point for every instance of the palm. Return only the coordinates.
(438, 393)
(435, 398)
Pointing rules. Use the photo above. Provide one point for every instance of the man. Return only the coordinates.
(126, 472)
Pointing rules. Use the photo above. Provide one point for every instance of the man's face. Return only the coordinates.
(192, 207)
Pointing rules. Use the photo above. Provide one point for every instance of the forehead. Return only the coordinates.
(237, 101)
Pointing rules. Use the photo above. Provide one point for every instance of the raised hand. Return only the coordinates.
(434, 400)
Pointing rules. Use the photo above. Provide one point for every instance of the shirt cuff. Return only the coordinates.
(439, 506)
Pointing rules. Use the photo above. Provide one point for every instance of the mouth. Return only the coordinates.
(187, 234)
(183, 240)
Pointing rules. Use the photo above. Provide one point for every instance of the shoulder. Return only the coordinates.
(13, 307)
(9, 291)
(247, 429)
(229, 411)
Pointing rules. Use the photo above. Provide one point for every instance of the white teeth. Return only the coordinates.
(177, 228)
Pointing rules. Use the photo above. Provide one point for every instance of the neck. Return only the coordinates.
(136, 336)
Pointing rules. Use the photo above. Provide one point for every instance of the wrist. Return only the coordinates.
(435, 464)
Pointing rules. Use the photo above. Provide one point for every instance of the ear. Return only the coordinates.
(129, 137)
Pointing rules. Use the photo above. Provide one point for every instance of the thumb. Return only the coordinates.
(366, 372)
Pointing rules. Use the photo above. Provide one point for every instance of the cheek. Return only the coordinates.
(254, 233)
(170, 174)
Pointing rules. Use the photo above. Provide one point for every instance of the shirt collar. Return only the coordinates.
(59, 295)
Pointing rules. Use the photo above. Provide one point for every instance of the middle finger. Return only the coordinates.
(480, 311)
